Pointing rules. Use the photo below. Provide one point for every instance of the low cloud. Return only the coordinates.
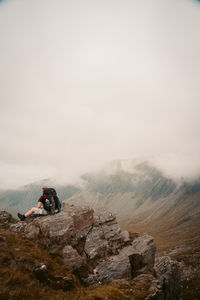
(83, 83)
(177, 166)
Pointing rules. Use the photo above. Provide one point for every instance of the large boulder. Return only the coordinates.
(141, 254)
(144, 245)
(71, 224)
(105, 236)
(96, 244)
(168, 273)
(111, 231)
(6, 219)
(137, 258)
(114, 267)
(71, 259)
(55, 282)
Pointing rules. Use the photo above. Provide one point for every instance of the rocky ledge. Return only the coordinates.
(94, 248)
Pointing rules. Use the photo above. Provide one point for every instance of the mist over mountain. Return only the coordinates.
(129, 187)
(119, 79)
(126, 187)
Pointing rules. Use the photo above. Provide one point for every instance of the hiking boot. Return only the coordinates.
(21, 217)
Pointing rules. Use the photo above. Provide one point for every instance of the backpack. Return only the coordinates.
(52, 201)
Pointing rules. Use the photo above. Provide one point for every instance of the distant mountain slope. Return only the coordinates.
(125, 191)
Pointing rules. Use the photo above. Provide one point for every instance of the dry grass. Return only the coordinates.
(18, 258)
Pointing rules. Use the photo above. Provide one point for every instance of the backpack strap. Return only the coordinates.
(52, 205)
(59, 204)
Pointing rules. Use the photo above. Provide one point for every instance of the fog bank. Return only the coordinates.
(86, 82)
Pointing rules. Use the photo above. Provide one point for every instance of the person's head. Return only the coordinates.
(44, 187)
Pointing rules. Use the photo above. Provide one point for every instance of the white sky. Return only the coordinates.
(87, 81)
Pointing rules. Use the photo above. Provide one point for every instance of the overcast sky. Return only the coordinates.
(88, 81)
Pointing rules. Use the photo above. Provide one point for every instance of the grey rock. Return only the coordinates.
(42, 274)
(64, 283)
(60, 228)
(104, 217)
(96, 244)
(111, 230)
(32, 231)
(17, 226)
(141, 255)
(125, 235)
(113, 234)
(168, 273)
(6, 219)
(135, 259)
(145, 247)
(158, 295)
(2, 239)
(57, 282)
(115, 267)
(83, 233)
(71, 259)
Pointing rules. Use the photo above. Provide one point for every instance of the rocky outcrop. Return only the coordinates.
(137, 258)
(94, 248)
(60, 229)
(141, 254)
(105, 236)
(6, 219)
(169, 276)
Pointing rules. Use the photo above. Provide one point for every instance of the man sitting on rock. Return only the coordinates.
(48, 203)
